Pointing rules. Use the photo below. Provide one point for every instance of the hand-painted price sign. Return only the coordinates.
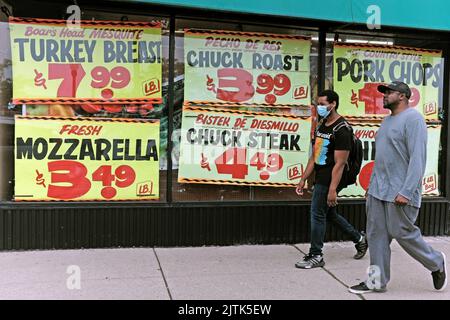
(98, 63)
(359, 69)
(220, 146)
(246, 68)
(366, 132)
(86, 159)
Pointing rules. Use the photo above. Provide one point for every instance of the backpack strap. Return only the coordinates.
(349, 127)
(342, 124)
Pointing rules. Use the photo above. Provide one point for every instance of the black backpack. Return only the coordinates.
(355, 158)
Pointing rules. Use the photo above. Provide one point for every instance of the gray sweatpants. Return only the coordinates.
(387, 221)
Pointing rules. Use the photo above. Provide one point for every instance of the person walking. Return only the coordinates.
(332, 145)
(395, 191)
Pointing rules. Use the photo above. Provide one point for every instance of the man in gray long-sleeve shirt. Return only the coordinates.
(395, 190)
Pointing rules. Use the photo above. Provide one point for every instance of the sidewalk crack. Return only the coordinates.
(162, 273)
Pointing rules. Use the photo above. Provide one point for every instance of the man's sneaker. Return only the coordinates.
(311, 261)
(440, 277)
(361, 247)
(363, 288)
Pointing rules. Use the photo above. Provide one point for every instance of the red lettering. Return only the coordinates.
(72, 175)
(96, 130)
(143, 189)
(80, 130)
(200, 119)
(64, 128)
(73, 130)
(241, 83)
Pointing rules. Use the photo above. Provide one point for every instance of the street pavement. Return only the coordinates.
(244, 272)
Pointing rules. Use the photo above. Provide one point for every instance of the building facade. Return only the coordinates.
(188, 123)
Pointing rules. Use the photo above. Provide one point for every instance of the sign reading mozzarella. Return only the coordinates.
(74, 159)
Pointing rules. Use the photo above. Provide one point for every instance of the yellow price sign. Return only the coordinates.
(100, 62)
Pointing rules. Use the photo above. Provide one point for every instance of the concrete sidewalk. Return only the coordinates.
(227, 273)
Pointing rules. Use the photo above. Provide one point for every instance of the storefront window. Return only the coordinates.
(242, 113)
(357, 64)
(87, 112)
(266, 92)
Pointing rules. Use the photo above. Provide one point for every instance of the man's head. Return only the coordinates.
(395, 93)
(328, 98)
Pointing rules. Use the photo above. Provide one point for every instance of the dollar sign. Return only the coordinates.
(39, 179)
(38, 80)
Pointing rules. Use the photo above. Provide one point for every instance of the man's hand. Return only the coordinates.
(401, 200)
(332, 198)
(300, 187)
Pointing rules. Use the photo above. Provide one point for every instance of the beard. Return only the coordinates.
(389, 105)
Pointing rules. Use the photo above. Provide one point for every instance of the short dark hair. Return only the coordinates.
(331, 95)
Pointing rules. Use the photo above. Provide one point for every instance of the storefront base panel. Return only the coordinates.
(111, 227)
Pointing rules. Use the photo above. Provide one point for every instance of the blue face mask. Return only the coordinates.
(323, 111)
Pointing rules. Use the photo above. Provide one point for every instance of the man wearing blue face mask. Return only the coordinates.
(330, 153)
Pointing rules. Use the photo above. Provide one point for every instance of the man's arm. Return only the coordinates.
(308, 171)
(416, 143)
(340, 159)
